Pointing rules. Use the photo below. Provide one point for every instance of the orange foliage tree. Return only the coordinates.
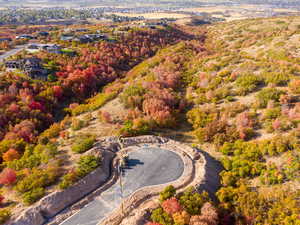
(11, 155)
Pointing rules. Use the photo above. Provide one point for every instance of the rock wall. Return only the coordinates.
(60, 205)
(53, 203)
(193, 173)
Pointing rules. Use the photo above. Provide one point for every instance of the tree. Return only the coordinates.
(8, 176)
(171, 206)
(152, 223)
(210, 213)
(167, 193)
(181, 218)
(158, 215)
(11, 155)
(192, 201)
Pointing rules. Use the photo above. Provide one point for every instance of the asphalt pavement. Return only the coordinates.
(146, 167)
(11, 52)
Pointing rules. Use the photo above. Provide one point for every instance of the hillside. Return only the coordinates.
(230, 89)
(240, 94)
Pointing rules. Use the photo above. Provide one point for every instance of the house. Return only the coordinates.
(31, 66)
(43, 34)
(66, 37)
(25, 36)
(5, 40)
(56, 49)
(51, 48)
(83, 39)
(96, 37)
(33, 48)
(81, 30)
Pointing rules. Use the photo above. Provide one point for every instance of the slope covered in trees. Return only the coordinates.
(30, 155)
(234, 94)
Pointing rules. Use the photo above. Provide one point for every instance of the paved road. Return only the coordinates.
(147, 166)
(12, 52)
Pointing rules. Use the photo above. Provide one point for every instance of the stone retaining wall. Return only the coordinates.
(53, 203)
(80, 194)
(192, 174)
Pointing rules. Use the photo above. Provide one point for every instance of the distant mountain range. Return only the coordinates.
(139, 3)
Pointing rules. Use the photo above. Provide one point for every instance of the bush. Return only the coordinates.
(248, 83)
(104, 116)
(167, 193)
(294, 86)
(33, 195)
(161, 217)
(136, 127)
(51, 132)
(272, 113)
(192, 201)
(94, 103)
(82, 144)
(37, 179)
(77, 124)
(276, 78)
(268, 94)
(201, 117)
(4, 215)
(45, 152)
(87, 164)
(69, 179)
(132, 96)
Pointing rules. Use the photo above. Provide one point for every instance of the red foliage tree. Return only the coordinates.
(8, 176)
(171, 206)
(58, 91)
(25, 130)
(34, 105)
(1, 199)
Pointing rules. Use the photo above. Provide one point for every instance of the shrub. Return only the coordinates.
(28, 160)
(33, 195)
(104, 116)
(192, 201)
(37, 179)
(247, 83)
(87, 164)
(93, 104)
(136, 127)
(8, 176)
(82, 144)
(11, 155)
(4, 215)
(167, 193)
(272, 113)
(276, 78)
(217, 132)
(267, 94)
(69, 179)
(88, 117)
(201, 117)
(181, 218)
(1, 199)
(45, 152)
(132, 96)
(161, 217)
(51, 132)
(77, 124)
(171, 206)
(294, 86)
